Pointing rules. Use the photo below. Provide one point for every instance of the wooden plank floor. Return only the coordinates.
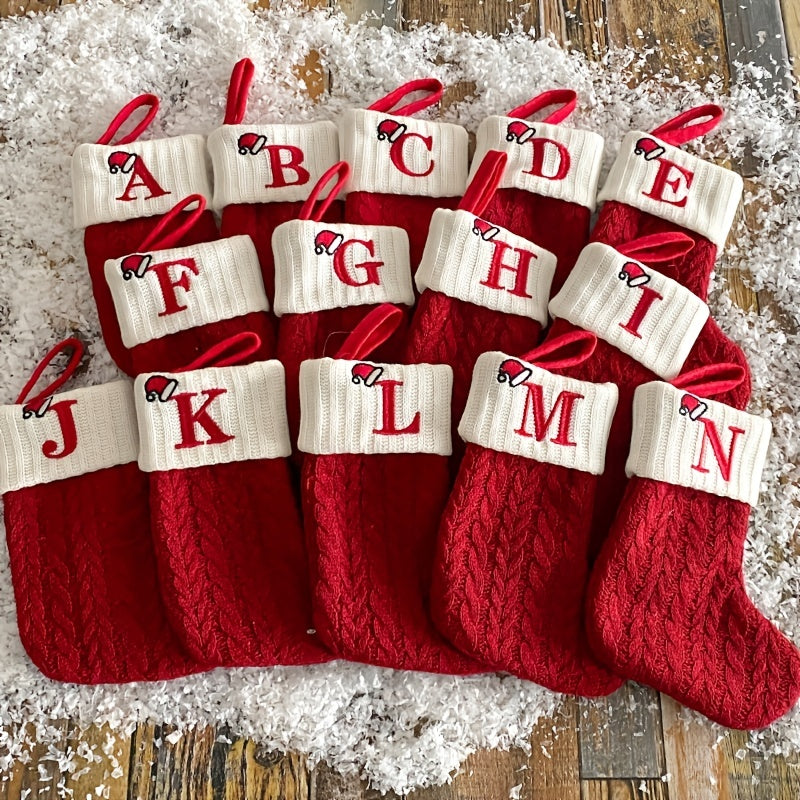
(627, 747)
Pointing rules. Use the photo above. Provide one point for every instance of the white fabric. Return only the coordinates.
(580, 164)
(457, 261)
(308, 281)
(251, 409)
(338, 415)
(710, 198)
(105, 428)
(228, 284)
(446, 162)
(669, 446)
(595, 297)
(178, 165)
(500, 414)
(248, 177)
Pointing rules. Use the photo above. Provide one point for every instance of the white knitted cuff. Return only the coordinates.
(166, 291)
(685, 440)
(403, 155)
(111, 183)
(474, 260)
(518, 408)
(320, 266)
(650, 317)
(550, 160)
(362, 407)
(270, 163)
(212, 416)
(668, 182)
(69, 434)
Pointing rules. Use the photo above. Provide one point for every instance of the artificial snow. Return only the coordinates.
(64, 75)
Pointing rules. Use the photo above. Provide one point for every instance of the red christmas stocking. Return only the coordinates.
(512, 557)
(121, 188)
(173, 303)
(483, 288)
(78, 531)
(227, 531)
(263, 173)
(328, 276)
(375, 481)
(666, 604)
(403, 168)
(548, 190)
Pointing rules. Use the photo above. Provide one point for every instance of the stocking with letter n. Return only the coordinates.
(548, 191)
(512, 563)
(78, 531)
(121, 187)
(482, 287)
(226, 526)
(403, 168)
(173, 303)
(328, 276)
(667, 605)
(375, 479)
(264, 172)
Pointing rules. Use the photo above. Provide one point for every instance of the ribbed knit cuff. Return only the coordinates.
(69, 434)
(474, 260)
(515, 407)
(112, 183)
(550, 160)
(668, 182)
(212, 416)
(685, 440)
(650, 317)
(403, 155)
(320, 266)
(270, 163)
(166, 291)
(363, 407)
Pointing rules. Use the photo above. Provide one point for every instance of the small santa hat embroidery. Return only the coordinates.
(327, 242)
(391, 130)
(366, 373)
(633, 274)
(159, 387)
(484, 229)
(649, 148)
(135, 264)
(692, 407)
(120, 161)
(251, 143)
(513, 372)
(519, 131)
(36, 408)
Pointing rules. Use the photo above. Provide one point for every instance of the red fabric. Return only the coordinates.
(84, 573)
(667, 607)
(116, 239)
(511, 570)
(232, 563)
(371, 524)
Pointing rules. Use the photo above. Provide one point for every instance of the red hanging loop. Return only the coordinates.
(711, 379)
(678, 131)
(73, 344)
(143, 100)
(563, 351)
(567, 99)
(433, 88)
(160, 238)
(227, 353)
(484, 184)
(658, 247)
(340, 171)
(371, 332)
(239, 91)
